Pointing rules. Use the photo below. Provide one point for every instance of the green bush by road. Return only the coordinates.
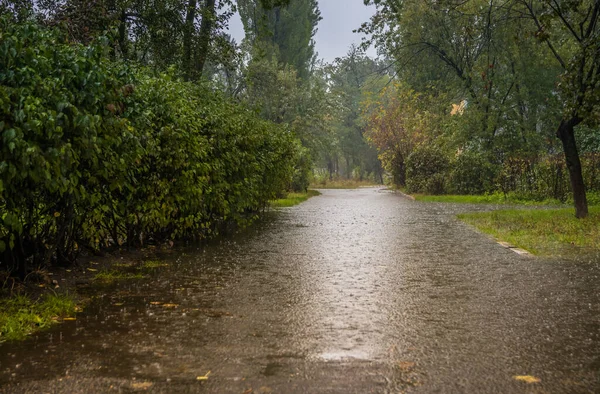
(95, 153)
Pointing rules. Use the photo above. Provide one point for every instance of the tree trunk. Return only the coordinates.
(208, 20)
(566, 134)
(400, 170)
(188, 34)
(348, 169)
(20, 257)
(123, 34)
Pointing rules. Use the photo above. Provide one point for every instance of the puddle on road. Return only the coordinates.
(343, 356)
(350, 283)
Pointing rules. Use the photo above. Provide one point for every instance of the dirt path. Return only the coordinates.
(354, 291)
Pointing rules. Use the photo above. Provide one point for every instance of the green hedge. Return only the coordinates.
(430, 170)
(427, 169)
(94, 153)
(471, 173)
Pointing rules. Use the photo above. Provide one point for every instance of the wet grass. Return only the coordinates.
(20, 315)
(128, 271)
(341, 184)
(152, 264)
(293, 199)
(123, 265)
(500, 198)
(110, 276)
(496, 198)
(545, 232)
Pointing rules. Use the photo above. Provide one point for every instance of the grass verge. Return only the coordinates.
(500, 198)
(545, 232)
(294, 199)
(483, 199)
(20, 315)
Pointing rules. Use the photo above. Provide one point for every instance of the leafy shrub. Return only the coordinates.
(302, 171)
(471, 174)
(590, 163)
(593, 198)
(395, 165)
(62, 146)
(96, 154)
(426, 170)
(548, 177)
(535, 179)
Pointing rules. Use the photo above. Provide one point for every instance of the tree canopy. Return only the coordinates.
(284, 32)
(525, 70)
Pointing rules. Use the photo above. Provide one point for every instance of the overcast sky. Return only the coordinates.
(334, 35)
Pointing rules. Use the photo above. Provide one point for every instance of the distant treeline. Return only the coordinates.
(96, 153)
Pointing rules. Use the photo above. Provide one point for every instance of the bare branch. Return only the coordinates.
(561, 15)
(593, 20)
(539, 26)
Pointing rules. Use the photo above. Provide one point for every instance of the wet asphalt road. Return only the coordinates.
(354, 291)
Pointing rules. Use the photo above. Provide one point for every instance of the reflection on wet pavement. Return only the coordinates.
(353, 291)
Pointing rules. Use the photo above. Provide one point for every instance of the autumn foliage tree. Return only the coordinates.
(397, 121)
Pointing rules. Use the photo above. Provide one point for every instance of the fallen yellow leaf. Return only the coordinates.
(170, 305)
(527, 379)
(406, 366)
(142, 385)
(69, 318)
(118, 304)
(155, 302)
(205, 377)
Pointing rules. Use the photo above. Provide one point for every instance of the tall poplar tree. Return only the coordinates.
(283, 31)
